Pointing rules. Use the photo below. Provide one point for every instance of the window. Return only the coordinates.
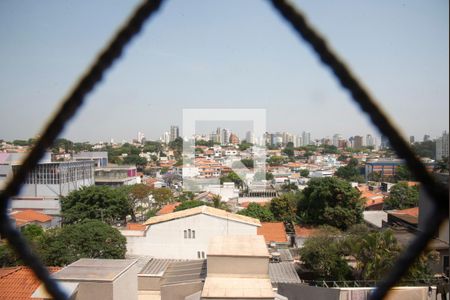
(189, 233)
(193, 234)
(198, 254)
(203, 254)
(185, 234)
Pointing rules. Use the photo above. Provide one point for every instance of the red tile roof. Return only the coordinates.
(273, 232)
(168, 208)
(414, 211)
(30, 216)
(19, 283)
(136, 226)
(302, 231)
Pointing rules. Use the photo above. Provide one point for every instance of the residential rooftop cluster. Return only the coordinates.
(306, 220)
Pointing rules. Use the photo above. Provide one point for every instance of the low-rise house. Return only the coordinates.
(302, 233)
(274, 233)
(185, 234)
(29, 216)
(168, 208)
(408, 218)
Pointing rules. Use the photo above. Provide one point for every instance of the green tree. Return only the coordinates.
(330, 201)
(442, 165)
(61, 143)
(402, 173)
(342, 157)
(138, 195)
(96, 202)
(189, 204)
(162, 196)
(32, 233)
(304, 172)
(177, 146)
(232, 177)
(20, 143)
(257, 211)
(288, 187)
(375, 253)
(275, 160)
(8, 257)
(350, 172)
(425, 149)
(244, 145)
(87, 239)
(134, 159)
(83, 146)
(284, 207)
(218, 203)
(323, 255)
(330, 149)
(152, 146)
(185, 195)
(248, 163)
(402, 196)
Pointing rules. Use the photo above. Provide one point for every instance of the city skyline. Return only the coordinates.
(235, 62)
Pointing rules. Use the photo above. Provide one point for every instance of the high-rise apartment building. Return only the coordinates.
(165, 138)
(306, 137)
(357, 142)
(336, 138)
(442, 146)
(234, 139)
(384, 142)
(225, 137)
(298, 141)
(174, 133)
(411, 139)
(250, 137)
(370, 141)
(140, 137)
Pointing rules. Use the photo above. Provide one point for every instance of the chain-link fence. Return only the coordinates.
(438, 192)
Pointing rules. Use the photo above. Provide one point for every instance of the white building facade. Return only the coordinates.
(186, 234)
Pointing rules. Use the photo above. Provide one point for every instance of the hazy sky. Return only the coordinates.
(223, 54)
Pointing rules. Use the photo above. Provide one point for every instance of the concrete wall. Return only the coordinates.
(166, 240)
(47, 206)
(149, 283)
(304, 292)
(94, 290)
(125, 287)
(238, 265)
(180, 291)
(53, 190)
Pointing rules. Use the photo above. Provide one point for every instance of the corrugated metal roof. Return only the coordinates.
(207, 210)
(156, 267)
(285, 254)
(283, 272)
(185, 271)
